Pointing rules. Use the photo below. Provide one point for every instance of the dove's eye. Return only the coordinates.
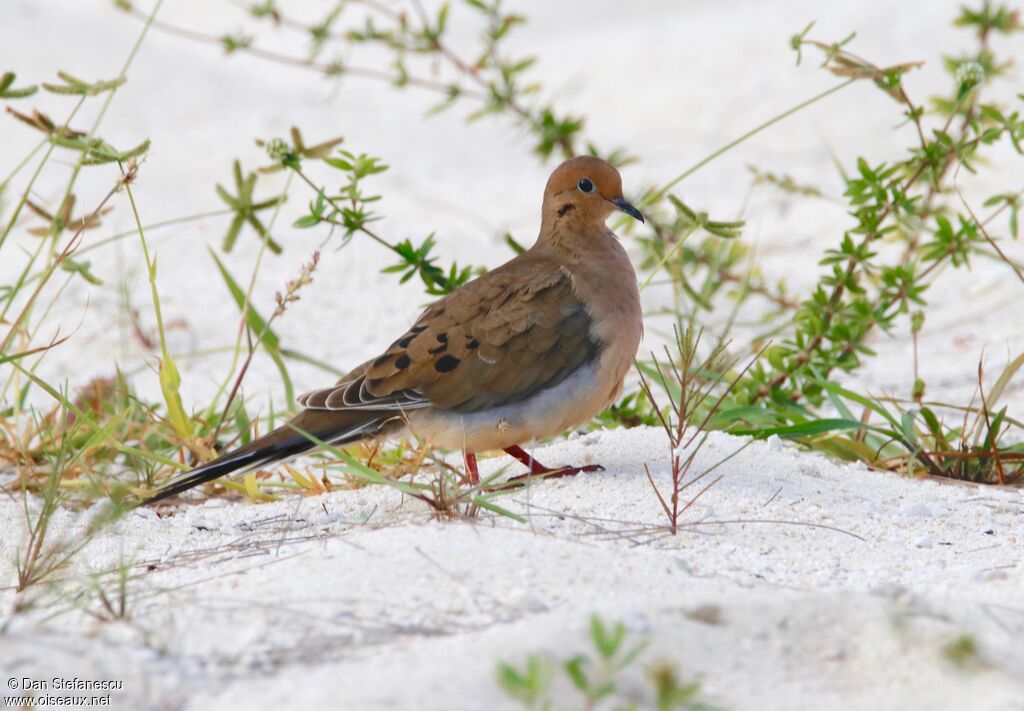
(585, 185)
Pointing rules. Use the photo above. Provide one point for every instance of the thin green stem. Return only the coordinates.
(154, 226)
(68, 250)
(237, 350)
(108, 100)
(22, 164)
(32, 180)
(377, 238)
(664, 260)
(660, 192)
(170, 380)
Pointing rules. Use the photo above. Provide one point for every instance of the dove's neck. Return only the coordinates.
(574, 237)
(603, 278)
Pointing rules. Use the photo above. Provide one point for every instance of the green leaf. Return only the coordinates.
(82, 269)
(86, 417)
(170, 387)
(6, 92)
(306, 221)
(75, 86)
(578, 677)
(1004, 379)
(258, 325)
(606, 641)
(485, 503)
(808, 429)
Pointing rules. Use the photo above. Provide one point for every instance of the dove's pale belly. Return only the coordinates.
(548, 413)
(585, 393)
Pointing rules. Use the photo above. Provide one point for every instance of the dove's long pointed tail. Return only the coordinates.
(332, 427)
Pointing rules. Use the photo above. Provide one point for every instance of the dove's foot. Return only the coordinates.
(539, 471)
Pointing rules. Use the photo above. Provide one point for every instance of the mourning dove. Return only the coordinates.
(526, 351)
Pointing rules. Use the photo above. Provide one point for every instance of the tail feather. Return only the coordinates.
(332, 427)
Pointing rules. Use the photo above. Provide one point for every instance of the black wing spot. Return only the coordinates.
(442, 337)
(440, 349)
(569, 207)
(404, 342)
(382, 360)
(446, 364)
(473, 344)
(417, 329)
(403, 361)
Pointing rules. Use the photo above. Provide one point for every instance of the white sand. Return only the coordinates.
(841, 595)
(836, 587)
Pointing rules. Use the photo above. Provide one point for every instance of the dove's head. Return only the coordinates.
(585, 189)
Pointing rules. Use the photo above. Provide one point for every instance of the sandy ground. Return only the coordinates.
(798, 583)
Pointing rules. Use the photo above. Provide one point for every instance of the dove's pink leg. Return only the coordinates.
(538, 469)
(474, 474)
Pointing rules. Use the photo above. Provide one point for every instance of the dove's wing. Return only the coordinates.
(497, 340)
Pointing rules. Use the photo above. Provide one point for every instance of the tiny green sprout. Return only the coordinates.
(7, 92)
(75, 86)
(990, 17)
(290, 155)
(267, 8)
(796, 42)
(693, 220)
(783, 182)
(416, 261)
(514, 244)
(102, 152)
(916, 321)
(918, 390)
(597, 679)
(1011, 202)
(555, 132)
(968, 76)
(234, 43)
(670, 694)
(95, 150)
(633, 410)
(82, 269)
(962, 651)
(529, 685)
(278, 149)
(246, 209)
(282, 153)
(321, 32)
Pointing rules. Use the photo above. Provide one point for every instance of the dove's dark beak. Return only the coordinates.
(624, 205)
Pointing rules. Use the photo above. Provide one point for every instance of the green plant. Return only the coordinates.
(913, 202)
(904, 201)
(112, 607)
(961, 651)
(596, 679)
(38, 559)
(448, 492)
(913, 437)
(696, 390)
(489, 80)
(349, 210)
